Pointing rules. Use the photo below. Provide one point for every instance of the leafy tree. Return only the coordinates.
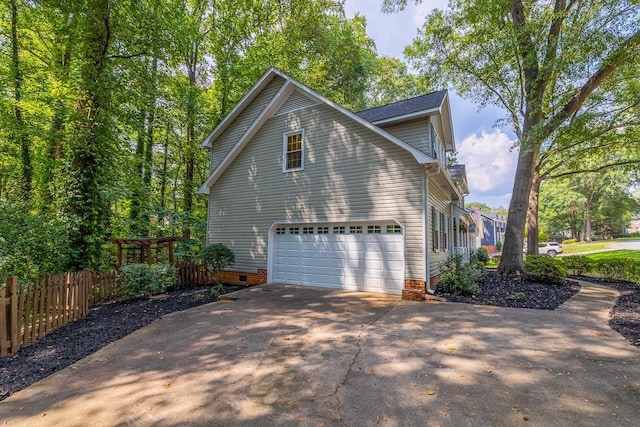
(480, 206)
(540, 61)
(89, 148)
(391, 81)
(19, 124)
(590, 204)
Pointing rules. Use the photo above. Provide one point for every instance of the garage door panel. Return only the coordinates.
(367, 262)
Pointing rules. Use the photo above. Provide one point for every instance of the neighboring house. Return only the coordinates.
(634, 227)
(489, 230)
(306, 192)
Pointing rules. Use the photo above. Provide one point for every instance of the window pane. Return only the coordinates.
(294, 160)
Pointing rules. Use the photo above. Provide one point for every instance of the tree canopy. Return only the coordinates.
(105, 104)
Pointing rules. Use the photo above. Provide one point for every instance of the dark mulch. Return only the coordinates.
(103, 325)
(503, 291)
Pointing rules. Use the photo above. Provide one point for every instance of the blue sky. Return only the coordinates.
(482, 145)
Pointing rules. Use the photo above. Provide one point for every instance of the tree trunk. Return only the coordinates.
(151, 118)
(512, 261)
(163, 178)
(56, 135)
(86, 207)
(137, 195)
(532, 215)
(20, 132)
(190, 149)
(586, 234)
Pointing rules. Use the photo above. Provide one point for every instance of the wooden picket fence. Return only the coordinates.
(192, 273)
(29, 312)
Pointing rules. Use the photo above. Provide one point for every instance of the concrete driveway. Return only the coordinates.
(287, 355)
(633, 245)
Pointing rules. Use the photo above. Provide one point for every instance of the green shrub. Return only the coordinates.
(542, 268)
(517, 296)
(458, 278)
(499, 246)
(614, 268)
(480, 255)
(217, 257)
(163, 276)
(578, 264)
(633, 271)
(143, 279)
(569, 241)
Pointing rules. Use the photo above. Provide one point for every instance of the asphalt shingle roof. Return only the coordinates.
(404, 107)
(457, 172)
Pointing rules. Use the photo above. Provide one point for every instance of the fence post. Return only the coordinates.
(4, 321)
(12, 286)
(88, 284)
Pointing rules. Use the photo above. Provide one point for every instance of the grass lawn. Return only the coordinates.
(622, 253)
(574, 248)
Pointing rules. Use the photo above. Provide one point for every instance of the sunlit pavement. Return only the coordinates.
(288, 355)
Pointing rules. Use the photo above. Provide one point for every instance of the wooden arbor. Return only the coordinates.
(145, 250)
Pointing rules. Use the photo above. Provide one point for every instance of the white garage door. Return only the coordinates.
(364, 257)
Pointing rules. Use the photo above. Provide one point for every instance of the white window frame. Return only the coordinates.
(285, 136)
(445, 232)
(435, 228)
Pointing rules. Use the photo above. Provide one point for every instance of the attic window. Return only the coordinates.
(293, 150)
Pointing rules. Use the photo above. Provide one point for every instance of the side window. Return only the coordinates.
(293, 151)
(435, 229)
(444, 232)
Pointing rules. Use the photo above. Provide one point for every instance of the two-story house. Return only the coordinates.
(306, 192)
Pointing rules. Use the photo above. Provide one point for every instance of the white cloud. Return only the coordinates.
(490, 162)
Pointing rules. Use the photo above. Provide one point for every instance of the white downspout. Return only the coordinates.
(429, 171)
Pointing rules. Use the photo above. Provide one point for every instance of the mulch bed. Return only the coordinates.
(110, 322)
(103, 325)
(503, 291)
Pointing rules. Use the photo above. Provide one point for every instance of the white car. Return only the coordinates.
(549, 248)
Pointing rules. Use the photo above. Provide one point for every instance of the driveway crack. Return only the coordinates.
(338, 412)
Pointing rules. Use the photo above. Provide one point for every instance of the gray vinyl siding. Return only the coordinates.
(350, 173)
(415, 133)
(442, 204)
(238, 127)
(296, 101)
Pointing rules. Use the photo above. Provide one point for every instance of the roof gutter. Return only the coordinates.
(431, 169)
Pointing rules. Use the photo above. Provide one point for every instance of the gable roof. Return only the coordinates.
(272, 106)
(458, 172)
(459, 175)
(407, 108)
